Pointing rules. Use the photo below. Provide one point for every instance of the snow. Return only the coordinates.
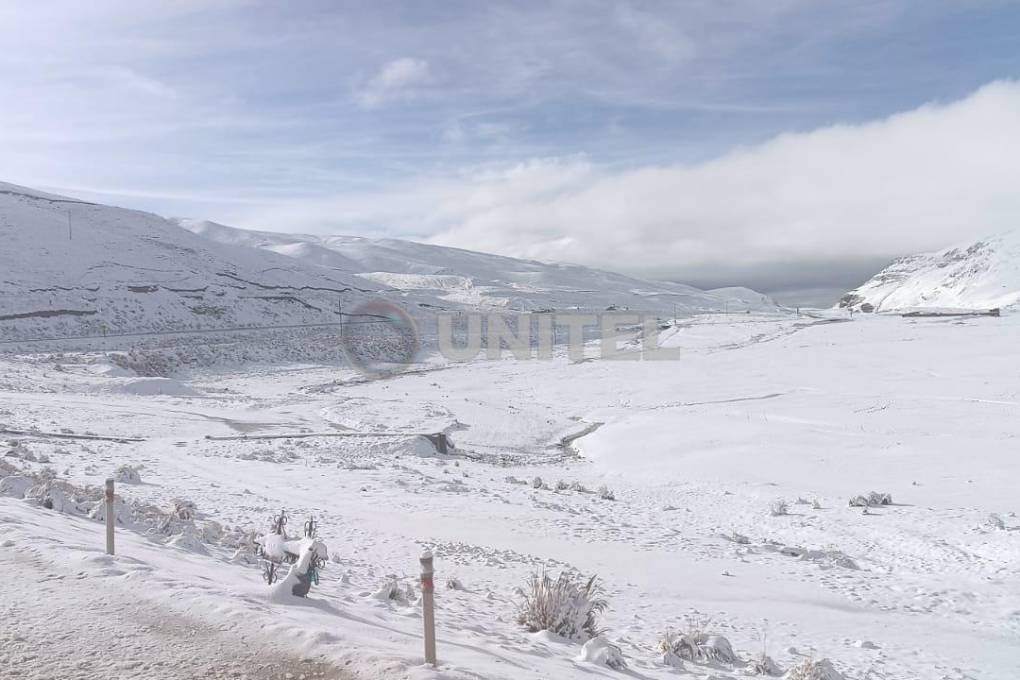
(821, 669)
(691, 449)
(760, 406)
(979, 275)
(601, 652)
(153, 386)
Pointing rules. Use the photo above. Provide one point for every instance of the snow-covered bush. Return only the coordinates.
(393, 590)
(696, 645)
(995, 521)
(600, 651)
(22, 451)
(567, 606)
(826, 557)
(671, 658)
(177, 525)
(778, 508)
(537, 483)
(184, 509)
(190, 541)
(605, 494)
(56, 495)
(562, 486)
(737, 537)
(147, 363)
(7, 469)
(871, 500)
(876, 499)
(127, 474)
(813, 670)
(764, 665)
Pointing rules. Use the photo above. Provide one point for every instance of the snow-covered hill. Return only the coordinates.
(972, 276)
(73, 268)
(473, 278)
(70, 267)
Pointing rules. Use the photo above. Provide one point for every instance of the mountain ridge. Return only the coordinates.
(486, 279)
(76, 268)
(975, 275)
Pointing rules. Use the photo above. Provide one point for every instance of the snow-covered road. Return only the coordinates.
(70, 612)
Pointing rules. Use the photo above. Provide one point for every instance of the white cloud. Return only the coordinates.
(228, 109)
(846, 193)
(916, 180)
(397, 79)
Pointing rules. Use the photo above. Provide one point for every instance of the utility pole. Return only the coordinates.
(340, 310)
(68, 225)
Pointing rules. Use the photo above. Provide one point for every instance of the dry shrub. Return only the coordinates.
(568, 606)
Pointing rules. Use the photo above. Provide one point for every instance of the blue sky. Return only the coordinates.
(450, 121)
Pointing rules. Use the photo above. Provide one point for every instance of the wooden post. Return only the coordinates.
(110, 518)
(428, 589)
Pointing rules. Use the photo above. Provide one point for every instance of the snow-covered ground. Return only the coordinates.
(760, 408)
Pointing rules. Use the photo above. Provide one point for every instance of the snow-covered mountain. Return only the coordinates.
(474, 278)
(70, 267)
(973, 276)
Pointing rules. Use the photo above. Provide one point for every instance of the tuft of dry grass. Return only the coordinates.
(568, 605)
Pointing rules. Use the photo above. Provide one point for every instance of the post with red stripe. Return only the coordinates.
(428, 590)
(109, 517)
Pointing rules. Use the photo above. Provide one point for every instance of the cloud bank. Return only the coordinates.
(802, 209)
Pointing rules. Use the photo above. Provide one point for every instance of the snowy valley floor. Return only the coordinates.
(695, 451)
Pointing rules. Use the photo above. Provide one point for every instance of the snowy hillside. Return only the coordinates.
(71, 267)
(980, 275)
(473, 278)
(74, 268)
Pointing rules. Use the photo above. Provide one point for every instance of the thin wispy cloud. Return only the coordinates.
(399, 79)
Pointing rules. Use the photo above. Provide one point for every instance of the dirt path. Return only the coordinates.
(116, 635)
